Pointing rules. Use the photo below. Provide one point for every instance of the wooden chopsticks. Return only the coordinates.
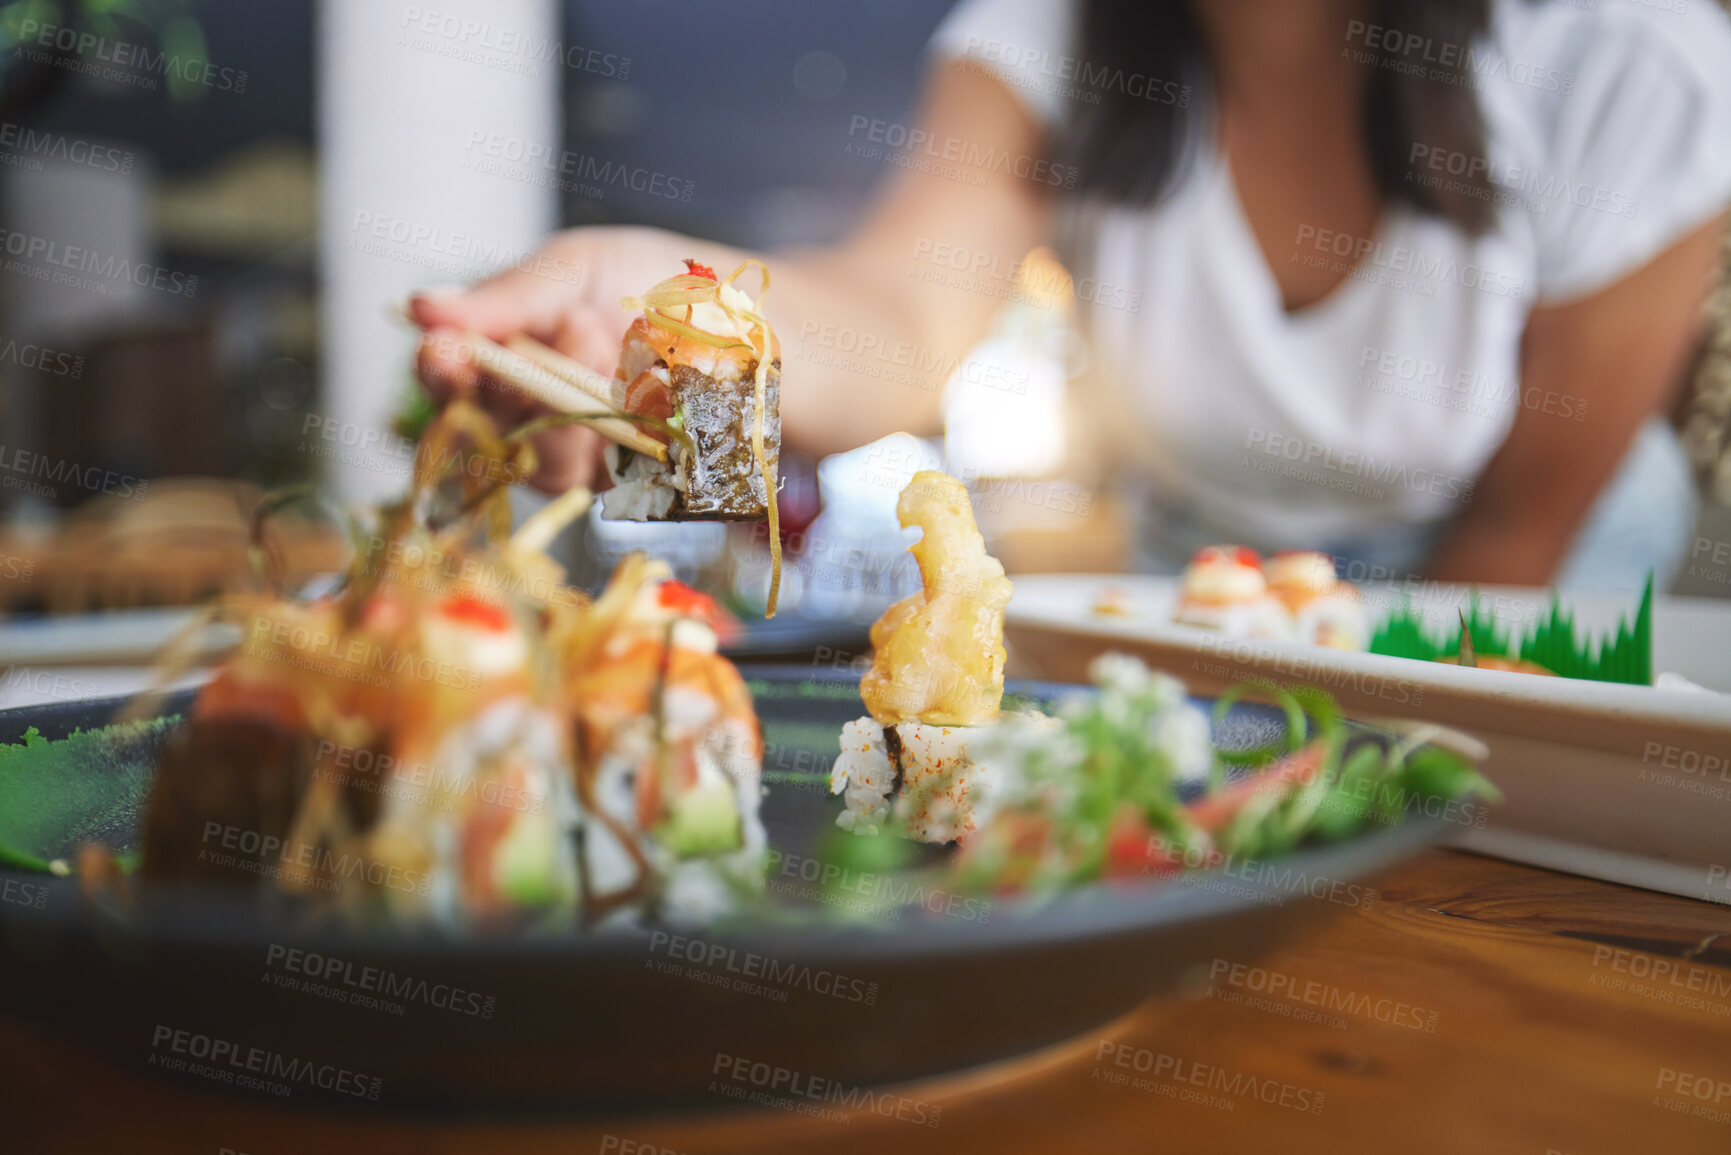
(559, 381)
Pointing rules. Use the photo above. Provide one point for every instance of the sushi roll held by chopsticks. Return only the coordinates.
(693, 412)
(701, 370)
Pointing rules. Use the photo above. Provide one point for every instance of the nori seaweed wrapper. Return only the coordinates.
(725, 482)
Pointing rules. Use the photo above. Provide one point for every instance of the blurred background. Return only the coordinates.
(208, 211)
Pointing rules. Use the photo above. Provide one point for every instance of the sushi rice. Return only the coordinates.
(941, 783)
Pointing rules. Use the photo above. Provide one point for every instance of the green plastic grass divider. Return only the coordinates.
(1625, 655)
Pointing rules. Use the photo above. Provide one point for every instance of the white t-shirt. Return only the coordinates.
(1608, 137)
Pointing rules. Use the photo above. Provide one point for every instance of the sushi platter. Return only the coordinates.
(636, 1018)
(568, 841)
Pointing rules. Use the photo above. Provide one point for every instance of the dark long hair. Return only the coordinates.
(1129, 147)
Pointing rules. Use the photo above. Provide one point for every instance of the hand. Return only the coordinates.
(565, 295)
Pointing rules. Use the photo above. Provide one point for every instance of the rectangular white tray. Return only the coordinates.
(1594, 774)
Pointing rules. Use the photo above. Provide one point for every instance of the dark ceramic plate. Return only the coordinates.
(203, 990)
(792, 634)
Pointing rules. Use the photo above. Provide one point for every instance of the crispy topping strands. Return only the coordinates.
(466, 738)
(700, 286)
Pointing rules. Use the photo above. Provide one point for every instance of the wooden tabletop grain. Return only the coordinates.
(1478, 1007)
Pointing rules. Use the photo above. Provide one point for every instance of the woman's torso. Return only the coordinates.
(1375, 409)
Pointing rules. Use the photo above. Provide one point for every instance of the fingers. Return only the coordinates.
(569, 456)
(443, 367)
(547, 308)
(514, 301)
(566, 456)
(585, 335)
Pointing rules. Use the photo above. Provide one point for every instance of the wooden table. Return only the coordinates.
(1545, 1040)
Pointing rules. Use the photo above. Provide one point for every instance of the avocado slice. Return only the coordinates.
(702, 820)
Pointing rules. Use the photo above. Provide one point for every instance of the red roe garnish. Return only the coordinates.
(686, 602)
(1240, 555)
(475, 612)
(698, 270)
(683, 600)
(383, 613)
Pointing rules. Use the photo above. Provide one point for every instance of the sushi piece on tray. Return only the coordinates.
(1326, 611)
(1224, 589)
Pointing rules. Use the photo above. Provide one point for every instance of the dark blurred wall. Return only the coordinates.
(749, 104)
(739, 114)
